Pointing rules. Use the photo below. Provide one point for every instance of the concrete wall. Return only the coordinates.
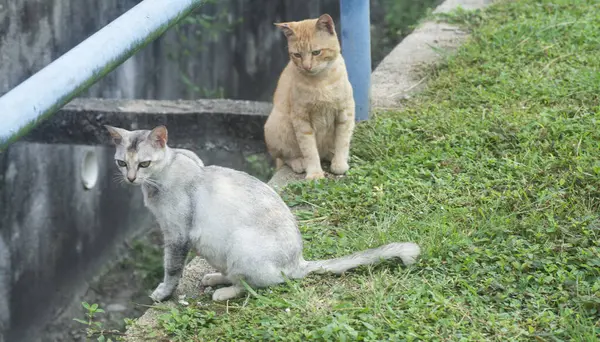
(244, 59)
(245, 62)
(4, 288)
(57, 232)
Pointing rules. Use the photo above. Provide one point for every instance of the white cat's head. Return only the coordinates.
(140, 154)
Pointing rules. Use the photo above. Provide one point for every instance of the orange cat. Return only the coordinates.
(313, 107)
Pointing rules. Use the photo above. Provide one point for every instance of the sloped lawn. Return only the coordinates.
(494, 170)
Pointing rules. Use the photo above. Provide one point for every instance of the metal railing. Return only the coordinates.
(44, 93)
(356, 49)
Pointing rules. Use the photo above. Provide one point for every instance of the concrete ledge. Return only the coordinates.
(226, 124)
(399, 74)
(283, 177)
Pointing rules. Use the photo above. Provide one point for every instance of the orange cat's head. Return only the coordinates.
(312, 43)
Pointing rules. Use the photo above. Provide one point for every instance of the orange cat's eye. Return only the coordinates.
(297, 55)
(316, 52)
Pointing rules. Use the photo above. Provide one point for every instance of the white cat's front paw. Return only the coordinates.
(339, 167)
(161, 293)
(297, 165)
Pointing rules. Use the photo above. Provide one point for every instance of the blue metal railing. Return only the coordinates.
(356, 49)
(48, 90)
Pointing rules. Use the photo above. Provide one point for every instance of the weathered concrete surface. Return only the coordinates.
(399, 74)
(283, 177)
(243, 58)
(56, 232)
(223, 123)
(223, 132)
(4, 288)
(244, 61)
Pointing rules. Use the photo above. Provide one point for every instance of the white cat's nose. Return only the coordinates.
(131, 178)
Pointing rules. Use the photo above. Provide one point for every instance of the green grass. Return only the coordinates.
(494, 170)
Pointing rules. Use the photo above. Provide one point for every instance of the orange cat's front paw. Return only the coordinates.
(339, 167)
(297, 165)
(315, 175)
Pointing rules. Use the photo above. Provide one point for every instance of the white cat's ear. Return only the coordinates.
(286, 29)
(116, 133)
(325, 23)
(159, 136)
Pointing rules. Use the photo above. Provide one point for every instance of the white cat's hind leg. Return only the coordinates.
(226, 293)
(212, 279)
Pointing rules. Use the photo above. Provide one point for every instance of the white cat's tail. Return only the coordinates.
(407, 251)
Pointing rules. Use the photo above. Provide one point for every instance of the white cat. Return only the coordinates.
(237, 223)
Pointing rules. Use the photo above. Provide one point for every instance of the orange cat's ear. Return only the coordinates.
(286, 29)
(325, 23)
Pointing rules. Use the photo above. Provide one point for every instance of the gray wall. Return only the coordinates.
(245, 62)
(58, 233)
(4, 288)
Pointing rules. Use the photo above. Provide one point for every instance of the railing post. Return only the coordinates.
(356, 49)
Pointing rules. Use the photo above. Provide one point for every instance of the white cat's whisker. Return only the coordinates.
(118, 178)
(154, 183)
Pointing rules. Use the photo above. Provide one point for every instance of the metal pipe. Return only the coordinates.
(356, 49)
(44, 93)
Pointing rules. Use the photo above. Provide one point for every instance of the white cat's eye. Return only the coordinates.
(121, 163)
(144, 164)
(297, 55)
(316, 52)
